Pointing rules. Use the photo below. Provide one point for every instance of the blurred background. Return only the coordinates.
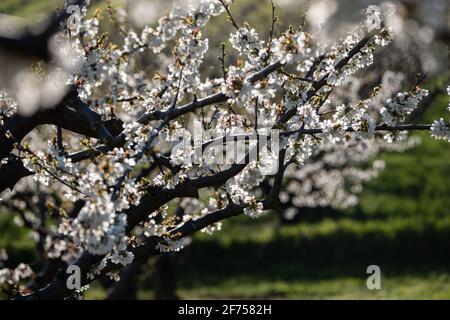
(402, 220)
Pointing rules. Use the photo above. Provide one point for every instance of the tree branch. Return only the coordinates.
(30, 44)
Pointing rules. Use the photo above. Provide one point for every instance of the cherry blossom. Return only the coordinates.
(129, 148)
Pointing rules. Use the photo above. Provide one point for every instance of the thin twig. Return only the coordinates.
(230, 17)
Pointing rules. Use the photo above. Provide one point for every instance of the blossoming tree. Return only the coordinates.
(90, 135)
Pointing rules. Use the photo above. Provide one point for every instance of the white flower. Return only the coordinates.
(448, 92)
(151, 228)
(255, 208)
(5, 276)
(124, 257)
(212, 228)
(246, 41)
(168, 245)
(384, 38)
(22, 271)
(113, 275)
(372, 18)
(403, 104)
(3, 255)
(83, 288)
(440, 131)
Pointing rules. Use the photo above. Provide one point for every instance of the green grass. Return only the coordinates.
(435, 286)
(325, 260)
(15, 240)
(29, 9)
(430, 286)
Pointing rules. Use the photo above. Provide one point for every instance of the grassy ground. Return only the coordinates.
(322, 260)
(431, 286)
(29, 9)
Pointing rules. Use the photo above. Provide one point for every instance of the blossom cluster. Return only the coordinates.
(402, 105)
